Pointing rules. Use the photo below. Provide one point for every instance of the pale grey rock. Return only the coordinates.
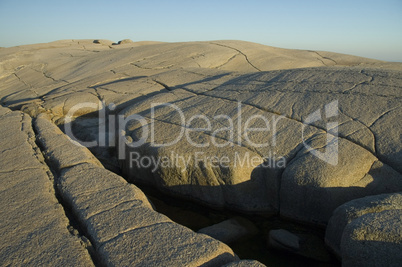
(352, 210)
(373, 239)
(389, 148)
(230, 230)
(33, 224)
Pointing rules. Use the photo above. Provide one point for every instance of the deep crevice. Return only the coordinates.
(194, 215)
(74, 226)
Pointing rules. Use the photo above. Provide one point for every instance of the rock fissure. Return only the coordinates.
(191, 75)
(21, 80)
(319, 92)
(132, 229)
(155, 68)
(209, 134)
(382, 115)
(245, 56)
(365, 127)
(136, 202)
(323, 57)
(163, 84)
(227, 61)
(58, 195)
(294, 119)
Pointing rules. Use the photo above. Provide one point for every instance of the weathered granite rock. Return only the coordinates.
(33, 224)
(205, 166)
(299, 93)
(292, 101)
(373, 239)
(66, 67)
(118, 217)
(311, 189)
(230, 230)
(352, 210)
(60, 150)
(210, 79)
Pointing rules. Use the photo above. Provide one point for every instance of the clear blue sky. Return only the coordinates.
(365, 28)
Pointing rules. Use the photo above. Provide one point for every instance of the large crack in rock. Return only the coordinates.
(254, 188)
(34, 225)
(117, 216)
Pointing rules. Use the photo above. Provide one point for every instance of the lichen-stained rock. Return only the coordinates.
(352, 210)
(33, 225)
(373, 239)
